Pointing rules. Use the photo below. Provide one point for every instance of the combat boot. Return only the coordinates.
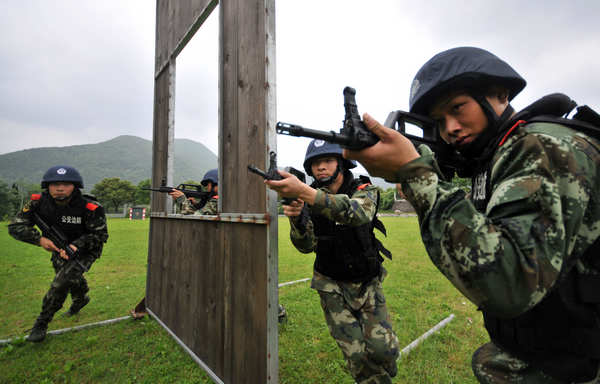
(282, 314)
(77, 305)
(38, 332)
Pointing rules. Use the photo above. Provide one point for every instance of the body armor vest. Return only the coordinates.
(70, 218)
(347, 253)
(561, 334)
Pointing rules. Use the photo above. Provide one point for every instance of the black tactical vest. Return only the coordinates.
(70, 218)
(561, 334)
(347, 253)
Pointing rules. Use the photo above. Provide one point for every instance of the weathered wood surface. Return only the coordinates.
(208, 286)
(213, 283)
(176, 23)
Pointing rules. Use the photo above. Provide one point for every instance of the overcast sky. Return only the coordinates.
(79, 72)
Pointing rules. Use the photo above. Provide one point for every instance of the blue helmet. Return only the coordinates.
(212, 176)
(321, 148)
(63, 173)
(458, 69)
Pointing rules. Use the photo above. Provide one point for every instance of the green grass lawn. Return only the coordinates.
(418, 297)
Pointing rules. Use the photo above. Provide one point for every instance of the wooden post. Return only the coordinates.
(212, 280)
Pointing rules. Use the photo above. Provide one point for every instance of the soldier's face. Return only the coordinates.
(324, 167)
(460, 119)
(60, 190)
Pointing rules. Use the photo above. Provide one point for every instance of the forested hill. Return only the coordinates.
(126, 157)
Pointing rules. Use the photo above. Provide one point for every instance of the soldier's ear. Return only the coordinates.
(499, 92)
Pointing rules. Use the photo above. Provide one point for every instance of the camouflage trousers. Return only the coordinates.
(68, 279)
(359, 322)
(492, 365)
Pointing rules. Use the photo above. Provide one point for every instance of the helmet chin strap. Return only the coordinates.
(476, 148)
(325, 181)
(63, 200)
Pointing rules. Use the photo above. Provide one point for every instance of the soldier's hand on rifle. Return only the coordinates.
(389, 154)
(291, 186)
(294, 209)
(48, 245)
(175, 194)
(63, 254)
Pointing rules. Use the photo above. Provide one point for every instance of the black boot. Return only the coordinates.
(282, 314)
(38, 332)
(77, 305)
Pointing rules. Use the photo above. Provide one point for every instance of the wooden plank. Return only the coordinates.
(176, 23)
(162, 137)
(247, 118)
(213, 284)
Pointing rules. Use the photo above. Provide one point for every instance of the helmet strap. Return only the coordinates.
(478, 146)
(324, 182)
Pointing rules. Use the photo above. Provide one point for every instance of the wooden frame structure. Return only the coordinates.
(212, 280)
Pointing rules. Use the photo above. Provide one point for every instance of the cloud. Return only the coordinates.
(77, 67)
(77, 72)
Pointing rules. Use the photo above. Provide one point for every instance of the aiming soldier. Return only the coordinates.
(190, 206)
(335, 217)
(63, 213)
(524, 248)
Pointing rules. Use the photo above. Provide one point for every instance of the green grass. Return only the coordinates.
(418, 298)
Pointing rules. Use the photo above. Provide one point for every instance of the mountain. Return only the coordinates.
(125, 157)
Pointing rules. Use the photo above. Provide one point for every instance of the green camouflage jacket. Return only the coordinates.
(355, 211)
(210, 208)
(543, 212)
(91, 242)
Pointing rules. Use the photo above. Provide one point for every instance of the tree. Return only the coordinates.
(7, 201)
(12, 198)
(386, 200)
(115, 192)
(141, 196)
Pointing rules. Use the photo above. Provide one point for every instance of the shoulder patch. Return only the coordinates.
(363, 186)
(36, 196)
(91, 206)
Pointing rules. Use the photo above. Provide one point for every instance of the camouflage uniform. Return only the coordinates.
(187, 208)
(542, 213)
(69, 275)
(356, 313)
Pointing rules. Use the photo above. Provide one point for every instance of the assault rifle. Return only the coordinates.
(189, 190)
(355, 135)
(272, 174)
(58, 238)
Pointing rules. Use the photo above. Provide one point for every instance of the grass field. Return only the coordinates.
(130, 351)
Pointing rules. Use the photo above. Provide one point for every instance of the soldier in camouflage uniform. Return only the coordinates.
(82, 221)
(524, 246)
(335, 218)
(210, 181)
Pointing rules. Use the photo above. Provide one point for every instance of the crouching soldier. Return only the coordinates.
(81, 220)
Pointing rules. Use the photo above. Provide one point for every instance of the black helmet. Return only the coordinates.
(321, 148)
(62, 173)
(212, 176)
(456, 68)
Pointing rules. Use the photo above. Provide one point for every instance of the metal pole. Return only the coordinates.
(77, 328)
(293, 282)
(418, 341)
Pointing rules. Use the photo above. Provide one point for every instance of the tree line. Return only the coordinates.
(113, 193)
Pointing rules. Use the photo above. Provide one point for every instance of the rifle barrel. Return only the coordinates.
(299, 131)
